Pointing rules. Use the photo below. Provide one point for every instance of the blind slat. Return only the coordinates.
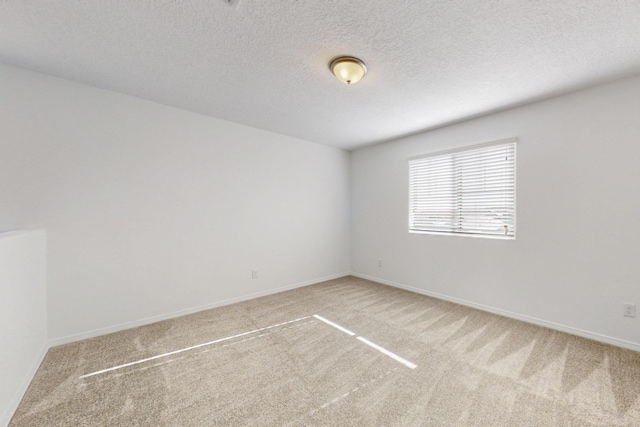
(464, 192)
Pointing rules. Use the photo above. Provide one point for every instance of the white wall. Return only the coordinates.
(23, 314)
(152, 211)
(575, 259)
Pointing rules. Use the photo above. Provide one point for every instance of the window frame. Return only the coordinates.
(508, 141)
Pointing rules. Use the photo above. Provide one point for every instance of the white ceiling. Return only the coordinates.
(264, 62)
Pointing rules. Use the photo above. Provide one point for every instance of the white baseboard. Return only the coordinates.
(540, 322)
(128, 325)
(8, 412)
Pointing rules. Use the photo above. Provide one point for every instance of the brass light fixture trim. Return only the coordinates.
(348, 69)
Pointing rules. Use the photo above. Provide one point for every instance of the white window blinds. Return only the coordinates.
(467, 192)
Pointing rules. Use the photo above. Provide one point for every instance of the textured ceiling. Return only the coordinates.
(264, 63)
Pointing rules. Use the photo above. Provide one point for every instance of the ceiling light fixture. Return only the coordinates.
(348, 69)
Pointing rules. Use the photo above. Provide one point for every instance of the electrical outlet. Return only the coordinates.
(629, 309)
(379, 263)
(254, 274)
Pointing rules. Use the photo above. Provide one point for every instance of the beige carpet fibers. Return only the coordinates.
(371, 356)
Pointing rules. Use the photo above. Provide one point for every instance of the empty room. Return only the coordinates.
(319, 213)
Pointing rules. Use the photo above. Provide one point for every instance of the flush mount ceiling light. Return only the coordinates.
(348, 69)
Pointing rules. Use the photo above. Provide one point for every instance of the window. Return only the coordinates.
(468, 192)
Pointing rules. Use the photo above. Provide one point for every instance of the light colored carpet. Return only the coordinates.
(270, 362)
